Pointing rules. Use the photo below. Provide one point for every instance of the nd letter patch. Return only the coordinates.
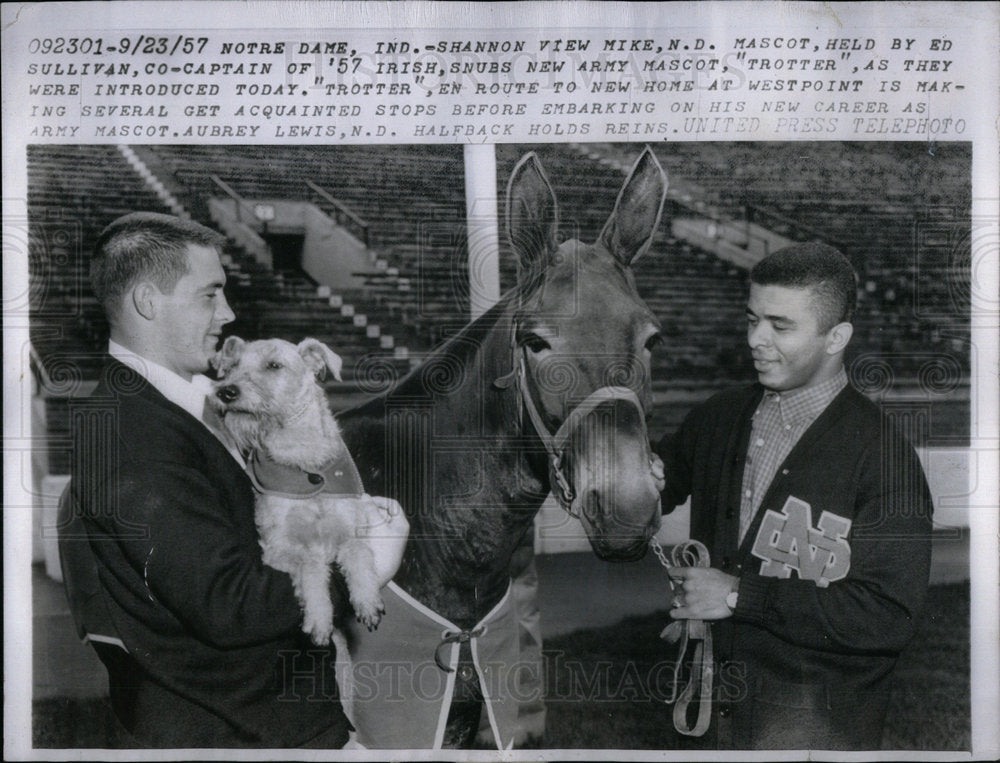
(787, 541)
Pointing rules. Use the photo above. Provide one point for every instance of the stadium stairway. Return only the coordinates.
(406, 204)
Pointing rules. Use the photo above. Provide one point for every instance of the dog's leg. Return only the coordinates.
(345, 673)
(358, 565)
(314, 579)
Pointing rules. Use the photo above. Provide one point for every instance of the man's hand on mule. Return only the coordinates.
(703, 593)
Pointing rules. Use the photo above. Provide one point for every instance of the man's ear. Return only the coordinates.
(144, 296)
(838, 337)
(319, 357)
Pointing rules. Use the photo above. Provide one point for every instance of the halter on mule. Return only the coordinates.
(555, 444)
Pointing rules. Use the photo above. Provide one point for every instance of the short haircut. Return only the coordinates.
(144, 246)
(821, 269)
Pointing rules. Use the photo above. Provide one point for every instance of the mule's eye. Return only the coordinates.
(273, 365)
(535, 343)
(654, 341)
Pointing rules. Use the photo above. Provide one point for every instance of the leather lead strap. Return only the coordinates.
(696, 633)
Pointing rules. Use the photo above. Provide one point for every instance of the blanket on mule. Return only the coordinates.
(398, 683)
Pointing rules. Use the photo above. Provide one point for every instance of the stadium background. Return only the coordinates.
(367, 248)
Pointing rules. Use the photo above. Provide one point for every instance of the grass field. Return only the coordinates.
(929, 709)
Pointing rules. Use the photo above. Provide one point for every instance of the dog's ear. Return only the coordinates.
(225, 358)
(319, 357)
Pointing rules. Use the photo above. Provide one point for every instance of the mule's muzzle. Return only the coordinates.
(616, 479)
(228, 394)
(631, 551)
(615, 530)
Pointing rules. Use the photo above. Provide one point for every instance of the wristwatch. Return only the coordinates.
(732, 599)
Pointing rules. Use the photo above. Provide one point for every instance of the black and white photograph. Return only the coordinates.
(602, 422)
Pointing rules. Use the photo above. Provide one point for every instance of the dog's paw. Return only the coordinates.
(369, 613)
(321, 632)
(321, 636)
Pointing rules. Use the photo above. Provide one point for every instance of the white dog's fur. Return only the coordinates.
(270, 401)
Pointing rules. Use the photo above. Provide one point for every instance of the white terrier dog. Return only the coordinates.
(311, 509)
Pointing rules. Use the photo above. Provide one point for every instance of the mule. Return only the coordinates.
(547, 391)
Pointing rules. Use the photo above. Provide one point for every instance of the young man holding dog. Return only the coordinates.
(817, 518)
(202, 641)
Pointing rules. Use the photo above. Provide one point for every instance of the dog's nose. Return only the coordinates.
(228, 394)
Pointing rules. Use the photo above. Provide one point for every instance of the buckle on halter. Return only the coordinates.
(561, 487)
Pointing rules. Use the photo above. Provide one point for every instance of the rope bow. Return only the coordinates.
(455, 637)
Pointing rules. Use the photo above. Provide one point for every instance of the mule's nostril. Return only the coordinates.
(228, 394)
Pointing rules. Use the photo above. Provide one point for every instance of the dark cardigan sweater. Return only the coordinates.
(803, 664)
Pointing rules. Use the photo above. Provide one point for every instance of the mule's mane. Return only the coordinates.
(459, 349)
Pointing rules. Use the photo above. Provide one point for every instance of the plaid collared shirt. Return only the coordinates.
(778, 423)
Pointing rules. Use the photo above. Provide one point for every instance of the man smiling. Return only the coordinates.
(817, 518)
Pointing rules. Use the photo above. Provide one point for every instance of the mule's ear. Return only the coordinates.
(633, 222)
(319, 357)
(224, 359)
(532, 216)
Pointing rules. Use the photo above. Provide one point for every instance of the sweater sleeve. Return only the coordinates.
(194, 563)
(875, 608)
(677, 453)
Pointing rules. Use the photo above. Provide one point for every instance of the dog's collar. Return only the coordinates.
(339, 477)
